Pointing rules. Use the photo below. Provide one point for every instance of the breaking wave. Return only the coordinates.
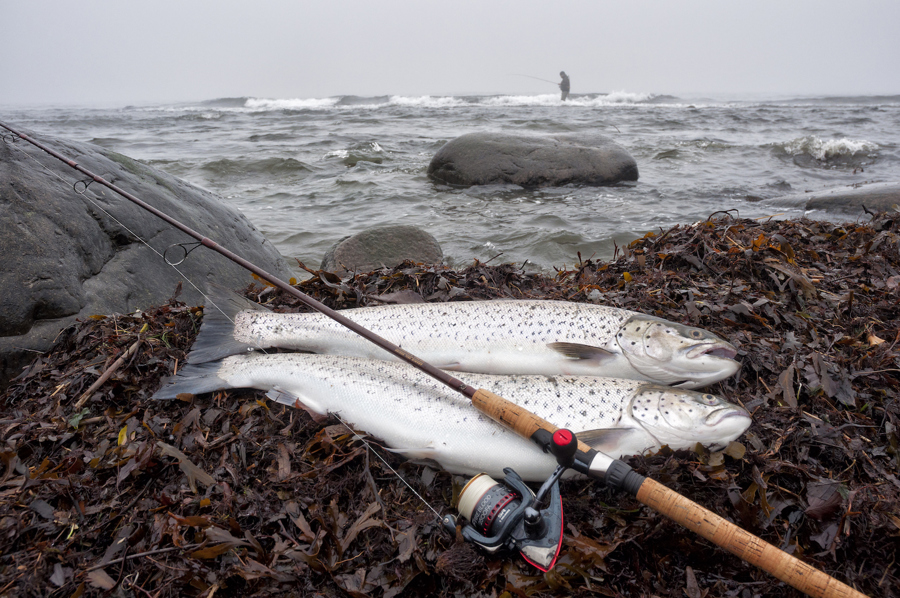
(826, 149)
(814, 151)
(351, 102)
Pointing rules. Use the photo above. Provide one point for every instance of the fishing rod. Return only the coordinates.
(538, 78)
(530, 528)
(554, 83)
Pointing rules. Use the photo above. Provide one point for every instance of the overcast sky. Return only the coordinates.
(118, 51)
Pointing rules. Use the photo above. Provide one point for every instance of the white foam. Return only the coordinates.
(625, 97)
(617, 98)
(427, 101)
(823, 149)
(587, 101)
(263, 104)
(539, 100)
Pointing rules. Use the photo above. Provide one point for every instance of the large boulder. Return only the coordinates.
(384, 246)
(875, 197)
(532, 161)
(68, 258)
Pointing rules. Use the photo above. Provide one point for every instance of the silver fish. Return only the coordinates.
(422, 419)
(491, 337)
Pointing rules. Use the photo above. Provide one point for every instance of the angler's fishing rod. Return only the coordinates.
(569, 451)
(538, 78)
(554, 83)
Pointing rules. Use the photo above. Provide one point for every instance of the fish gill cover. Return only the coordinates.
(230, 495)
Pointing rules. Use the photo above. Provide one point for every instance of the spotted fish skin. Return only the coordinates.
(423, 419)
(493, 337)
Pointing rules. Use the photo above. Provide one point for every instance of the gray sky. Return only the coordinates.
(115, 52)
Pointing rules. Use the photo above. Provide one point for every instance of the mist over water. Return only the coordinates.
(308, 172)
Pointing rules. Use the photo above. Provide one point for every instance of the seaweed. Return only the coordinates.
(108, 493)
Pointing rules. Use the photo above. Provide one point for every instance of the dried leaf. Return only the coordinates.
(407, 543)
(101, 579)
(691, 588)
(211, 552)
(786, 382)
(874, 340)
(284, 462)
(194, 474)
(735, 450)
(362, 523)
(824, 500)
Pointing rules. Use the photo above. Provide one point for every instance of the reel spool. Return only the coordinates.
(486, 504)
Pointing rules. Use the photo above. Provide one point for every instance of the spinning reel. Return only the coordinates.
(509, 515)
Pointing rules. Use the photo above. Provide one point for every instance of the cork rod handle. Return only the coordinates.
(685, 512)
(518, 419)
(742, 543)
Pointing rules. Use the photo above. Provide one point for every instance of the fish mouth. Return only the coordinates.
(716, 350)
(720, 415)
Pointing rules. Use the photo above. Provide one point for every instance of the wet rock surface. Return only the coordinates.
(874, 197)
(383, 246)
(72, 250)
(532, 161)
(229, 494)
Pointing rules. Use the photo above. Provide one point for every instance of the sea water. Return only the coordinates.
(308, 172)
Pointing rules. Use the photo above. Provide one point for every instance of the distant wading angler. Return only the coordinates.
(564, 85)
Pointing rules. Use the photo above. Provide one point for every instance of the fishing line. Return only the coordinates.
(81, 187)
(530, 77)
(359, 437)
(554, 83)
(83, 192)
(400, 353)
(615, 473)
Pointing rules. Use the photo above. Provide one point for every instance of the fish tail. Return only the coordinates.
(216, 337)
(192, 379)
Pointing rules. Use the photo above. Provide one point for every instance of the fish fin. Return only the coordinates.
(604, 440)
(192, 379)
(285, 397)
(216, 337)
(579, 351)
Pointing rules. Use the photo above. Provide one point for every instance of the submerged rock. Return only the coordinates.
(385, 246)
(69, 255)
(532, 161)
(876, 197)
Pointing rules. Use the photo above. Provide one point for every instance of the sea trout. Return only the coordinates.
(490, 337)
(423, 419)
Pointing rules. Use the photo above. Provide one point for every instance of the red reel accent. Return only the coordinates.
(563, 437)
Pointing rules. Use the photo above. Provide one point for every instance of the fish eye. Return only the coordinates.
(710, 399)
(696, 333)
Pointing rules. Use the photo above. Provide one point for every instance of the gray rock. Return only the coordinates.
(532, 161)
(65, 258)
(378, 247)
(876, 197)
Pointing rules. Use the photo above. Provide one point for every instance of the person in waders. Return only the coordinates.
(564, 85)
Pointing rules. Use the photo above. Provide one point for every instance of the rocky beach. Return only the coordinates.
(106, 492)
(229, 494)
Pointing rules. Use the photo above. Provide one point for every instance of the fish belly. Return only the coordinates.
(423, 419)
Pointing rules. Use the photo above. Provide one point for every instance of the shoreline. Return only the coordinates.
(811, 305)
